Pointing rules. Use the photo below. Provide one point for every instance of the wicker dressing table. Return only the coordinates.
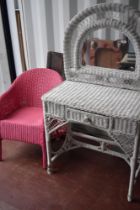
(102, 98)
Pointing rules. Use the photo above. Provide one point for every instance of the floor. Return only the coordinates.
(86, 180)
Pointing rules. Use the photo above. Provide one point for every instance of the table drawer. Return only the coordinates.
(87, 118)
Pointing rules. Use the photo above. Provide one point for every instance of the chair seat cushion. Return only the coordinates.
(25, 124)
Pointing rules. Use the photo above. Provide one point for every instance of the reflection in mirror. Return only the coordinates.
(114, 50)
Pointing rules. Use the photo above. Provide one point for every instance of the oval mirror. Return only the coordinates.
(109, 48)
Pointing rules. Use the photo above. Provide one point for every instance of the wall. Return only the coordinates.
(44, 23)
(4, 68)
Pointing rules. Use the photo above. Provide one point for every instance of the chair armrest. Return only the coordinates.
(8, 102)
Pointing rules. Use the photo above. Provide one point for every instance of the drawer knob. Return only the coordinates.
(87, 120)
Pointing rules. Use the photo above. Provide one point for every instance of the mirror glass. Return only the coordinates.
(110, 49)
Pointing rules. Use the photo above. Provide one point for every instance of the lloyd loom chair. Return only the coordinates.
(102, 98)
(21, 114)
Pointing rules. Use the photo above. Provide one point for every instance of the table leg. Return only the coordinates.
(48, 144)
(133, 163)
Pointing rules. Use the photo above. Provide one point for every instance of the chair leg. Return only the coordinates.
(44, 157)
(0, 150)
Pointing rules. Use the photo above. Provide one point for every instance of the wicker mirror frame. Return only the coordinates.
(108, 15)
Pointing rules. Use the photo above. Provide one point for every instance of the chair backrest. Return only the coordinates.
(32, 84)
(55, 62)
(107, 58)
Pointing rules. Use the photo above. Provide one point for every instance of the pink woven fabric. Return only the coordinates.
(25, 124)
(21, 114)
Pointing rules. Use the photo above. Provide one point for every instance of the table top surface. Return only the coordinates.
(108, 101)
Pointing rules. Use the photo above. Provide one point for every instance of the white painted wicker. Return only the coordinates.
(101, 98)
(82, 27)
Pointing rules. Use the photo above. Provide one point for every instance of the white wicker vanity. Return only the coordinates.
(102, 98)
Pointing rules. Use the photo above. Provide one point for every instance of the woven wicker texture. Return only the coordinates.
(21, 115)
(83, 26)
(103, 100)
(126, 142)
(100, 98)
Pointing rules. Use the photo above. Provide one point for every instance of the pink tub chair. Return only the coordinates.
(21, 114)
